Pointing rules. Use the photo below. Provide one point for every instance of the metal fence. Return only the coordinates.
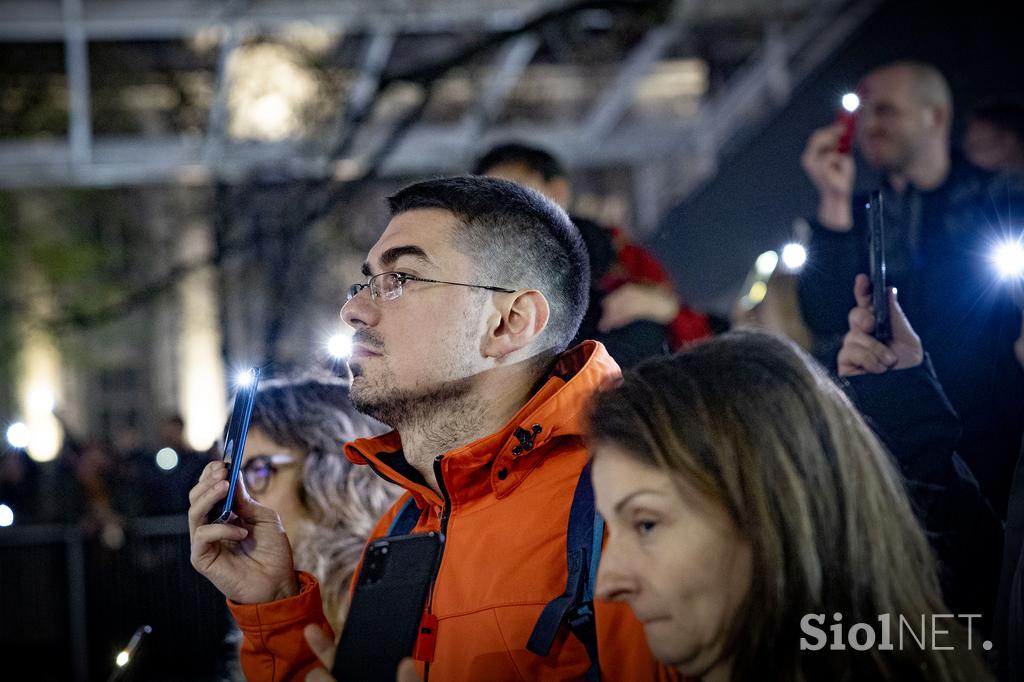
(69, 603)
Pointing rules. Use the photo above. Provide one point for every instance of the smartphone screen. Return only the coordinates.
(876, 251)
(388, 605)
(234, 442)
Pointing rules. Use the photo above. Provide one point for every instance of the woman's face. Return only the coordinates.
(276, 471)
(679, 562)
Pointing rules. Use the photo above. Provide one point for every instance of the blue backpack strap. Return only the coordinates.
(405, 520)
(575, 606)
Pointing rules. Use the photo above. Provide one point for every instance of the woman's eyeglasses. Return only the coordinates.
(258, 470)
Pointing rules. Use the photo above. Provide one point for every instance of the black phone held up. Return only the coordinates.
(387, 608)
(876, 251)
(234, 442)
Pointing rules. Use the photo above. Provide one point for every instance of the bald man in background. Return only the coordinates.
(942, 217)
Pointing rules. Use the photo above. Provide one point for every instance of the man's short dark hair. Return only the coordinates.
(534, 158)
(517, 237)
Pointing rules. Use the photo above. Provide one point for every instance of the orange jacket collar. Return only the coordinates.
(498, 463)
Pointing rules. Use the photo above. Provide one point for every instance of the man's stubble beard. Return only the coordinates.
(396, 408)
(381, 399)
(447, 405)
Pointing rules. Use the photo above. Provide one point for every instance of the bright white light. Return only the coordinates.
(272, 114)
(339, 346)
(794, 256)
(1008, 258)
(122, 659)
(766, 263)
(271, 86)
(41, 400)
(851, 102)
(244, 378)
(6, 516)
(166, 459)
(18, 435)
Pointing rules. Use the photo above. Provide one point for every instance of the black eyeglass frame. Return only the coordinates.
(269, 463)
(402, 277)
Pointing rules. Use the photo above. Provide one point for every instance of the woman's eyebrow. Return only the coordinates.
(643, 491)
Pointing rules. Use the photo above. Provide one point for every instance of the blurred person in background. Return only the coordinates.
(85, 491)
(994, 138)
(745, 500)
(943, 217)
(634, 310)
(167, 488)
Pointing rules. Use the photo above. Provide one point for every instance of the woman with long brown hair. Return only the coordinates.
(755, 522)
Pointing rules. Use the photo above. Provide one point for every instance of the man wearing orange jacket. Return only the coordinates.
(473, 291)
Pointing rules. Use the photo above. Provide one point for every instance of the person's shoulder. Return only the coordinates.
(973, 182)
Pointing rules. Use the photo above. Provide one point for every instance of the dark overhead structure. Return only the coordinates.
(158, 91)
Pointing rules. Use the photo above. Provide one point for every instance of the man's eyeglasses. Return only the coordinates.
(387, 286)
(258, 470)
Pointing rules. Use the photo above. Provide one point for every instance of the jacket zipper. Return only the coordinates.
(445, 511)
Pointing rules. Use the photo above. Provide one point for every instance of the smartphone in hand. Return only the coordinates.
(387, 615)
(234, 442)
(876, 257)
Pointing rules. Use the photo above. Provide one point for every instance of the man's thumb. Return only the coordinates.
(898, 319)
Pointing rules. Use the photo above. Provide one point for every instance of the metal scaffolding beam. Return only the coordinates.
(359, 102)
(612, 107)
(76, 60)
(511, 63)
(217, 122)
(113, 20)
(760, 89)
(426, 149)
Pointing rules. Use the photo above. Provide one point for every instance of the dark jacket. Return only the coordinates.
(1009, 624)
(937, 251)
(911, 414)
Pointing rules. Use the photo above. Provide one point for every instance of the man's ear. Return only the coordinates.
(519, 319)
(942, 117)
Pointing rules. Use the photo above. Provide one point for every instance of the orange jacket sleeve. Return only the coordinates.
(273, 646)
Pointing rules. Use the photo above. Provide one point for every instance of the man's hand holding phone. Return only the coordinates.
(248, 558)
(862, 353)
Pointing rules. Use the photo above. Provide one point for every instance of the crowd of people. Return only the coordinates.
(757, 516)
(103, 484)
(621, 492)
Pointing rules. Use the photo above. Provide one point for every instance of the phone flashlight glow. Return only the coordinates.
(1008, 259)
